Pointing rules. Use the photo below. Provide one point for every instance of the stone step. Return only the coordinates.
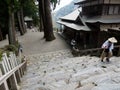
(51, 55)
(65, 72)
(107, 87)
(61, 85)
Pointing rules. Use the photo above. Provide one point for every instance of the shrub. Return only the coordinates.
(1, 52)
(11, 48)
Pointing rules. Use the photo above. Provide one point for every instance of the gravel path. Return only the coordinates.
(33, 43)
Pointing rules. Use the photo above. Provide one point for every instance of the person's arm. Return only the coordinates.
(105, 45)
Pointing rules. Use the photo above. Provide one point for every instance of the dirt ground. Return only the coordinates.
(33, 43)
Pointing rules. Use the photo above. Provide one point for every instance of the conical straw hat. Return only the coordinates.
(112, 39)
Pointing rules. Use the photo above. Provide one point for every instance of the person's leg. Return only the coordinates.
(103, 56)
(109, 56)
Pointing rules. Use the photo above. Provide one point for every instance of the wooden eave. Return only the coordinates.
(83, 2)
(104, 19)
(75, 26)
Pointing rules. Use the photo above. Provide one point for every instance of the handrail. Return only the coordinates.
(12, 69)
(77, 52)
(93, 49)
(7, 75)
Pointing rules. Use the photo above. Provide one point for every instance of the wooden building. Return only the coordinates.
(101, 17)
(28, 22)
(74, 28)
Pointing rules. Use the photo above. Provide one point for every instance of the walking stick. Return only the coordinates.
(102, 53)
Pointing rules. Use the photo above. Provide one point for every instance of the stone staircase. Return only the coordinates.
(61, 71)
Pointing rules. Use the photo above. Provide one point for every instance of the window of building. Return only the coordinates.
(119, 10)
(111, 9)
(116, 9)
(106, 10)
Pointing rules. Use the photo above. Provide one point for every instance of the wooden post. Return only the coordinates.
(18, 77)
(5, 65)
(11, 63)
(21, 72)
(118, 52)
(1, 72)
(7, 61)
(4, 86)
(15, 59)
(2, 68)
(12, 82)
(13, 71)
(22, 69)
(12, 60)
(25, 65)
(20, 56)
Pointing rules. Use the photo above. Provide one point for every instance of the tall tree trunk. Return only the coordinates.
(48, 22)
(1, 36)
(41, 24)
(40, 16)
(22, 19)
(20, 23)
(42, 13)
(11, 32)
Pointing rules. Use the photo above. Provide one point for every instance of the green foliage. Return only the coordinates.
(1, 52)
(11, 48)
(31, 10)
(12, 5)
(35, 20)
(3, 13)
(16, 5)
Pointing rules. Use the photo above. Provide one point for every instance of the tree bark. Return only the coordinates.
(41, 24)
(45, 12)
(20, 23)
(11, 32)
(22, 19)
(48, 22)
(40, 15)
(1, 36)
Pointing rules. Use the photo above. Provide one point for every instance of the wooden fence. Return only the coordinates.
(12, 69)
(94, 51)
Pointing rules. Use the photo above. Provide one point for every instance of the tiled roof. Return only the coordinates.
(74, 26)
(104, 19)
(72, 16)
